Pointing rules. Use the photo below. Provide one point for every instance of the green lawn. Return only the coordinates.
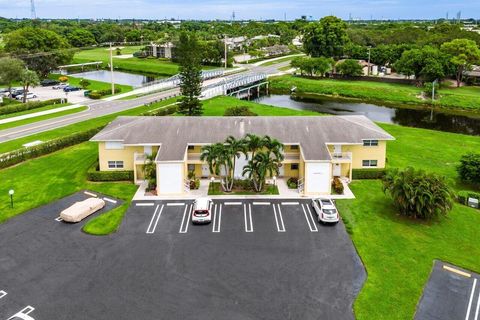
(270, 63)
(217, 106)
(41, 118)
(397, 94)
(94, 85)
(21, 113)
(215, 189)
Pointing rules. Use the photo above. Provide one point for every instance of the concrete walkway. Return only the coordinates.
(41, 113)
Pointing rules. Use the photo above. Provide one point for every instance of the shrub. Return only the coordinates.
(97, 94)
(191, 175)
(23, 154)
(239, 111)
(94, 95)
(63, 79)
(8, 101)
(84, 83)
(165, 111)
(94, 174)
(418, 194)
(359, 174)
(12, 108)
(469, 168)
(428, 89)
(337, 186)
(194, 184)
(292, 183)
(350, 67)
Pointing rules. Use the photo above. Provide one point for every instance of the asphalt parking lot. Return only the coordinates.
(256, 260)
(451, 293)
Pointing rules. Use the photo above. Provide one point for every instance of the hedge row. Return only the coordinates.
(12, 108)
(360, 174)
(97, 94)
(94, 174)
(462, 196)
(14, 157)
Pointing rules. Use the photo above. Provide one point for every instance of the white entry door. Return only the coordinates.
(205, 171)
(337, 148)
(337, 170)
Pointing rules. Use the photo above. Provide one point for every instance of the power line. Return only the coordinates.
(32, 10)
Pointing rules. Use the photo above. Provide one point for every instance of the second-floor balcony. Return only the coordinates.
(139, 158)
(341, 156)
(291, 157)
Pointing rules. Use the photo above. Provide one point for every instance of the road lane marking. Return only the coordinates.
(250, 215)
(59, 219)
(281, 218)
(280, 225)
(214, 217)
(109, 200)
(219, 224)
(175, 204)
(247, 215)
(144, 204)
(152, 220)
(2, 294)
(23, 314)
(471, 299)
(184, 227)
(261, 203)
(233, 203)
(90, 194)
(310, 218)
(454, 270)
(290, 203)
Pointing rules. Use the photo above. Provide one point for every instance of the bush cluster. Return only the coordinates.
(162, 111)
(23, 154)
(292, 183)
(94, 174)
(97, 94)
(337, 186)
(239, 111)
(469, 168)
(361, 174)
(12, 108)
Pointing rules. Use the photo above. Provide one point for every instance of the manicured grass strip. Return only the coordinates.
(270, 63)
(218, 105)
(94, 85)
(398, 253)
(80, 126)
(389, 93)
(216, 190)
(21, 113)
(106, 223)
(40, 118)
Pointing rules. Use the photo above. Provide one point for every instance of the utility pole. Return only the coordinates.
(111, 68)
(368, 72)
(433, 98)
(226, 51)
(32, 10)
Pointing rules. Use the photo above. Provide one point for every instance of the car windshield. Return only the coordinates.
(201, 212)
(326, 202)
(329, 211)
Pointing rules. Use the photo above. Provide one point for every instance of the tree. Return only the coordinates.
(150, 170)
(313, 66)
(418, 194)
(254, 143)
(325, 38)
(190, 72)
(463, 54)
(81, 38)
(426, 64)
(350, 68)
(469, 168)
(28, 78)
(10, 70)
(84, 83)
(233, 149)
(42, 50)
(259, 167)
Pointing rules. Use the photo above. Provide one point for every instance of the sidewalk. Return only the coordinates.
(41, 113)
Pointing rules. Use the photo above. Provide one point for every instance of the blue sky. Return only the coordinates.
(244, 9)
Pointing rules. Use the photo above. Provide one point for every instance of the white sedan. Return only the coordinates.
(202, 211)
(325, 210)
(30, 95)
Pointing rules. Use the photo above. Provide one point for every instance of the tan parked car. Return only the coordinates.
(80, 210)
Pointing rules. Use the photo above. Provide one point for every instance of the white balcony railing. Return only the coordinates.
(139, 158)
(341, 155)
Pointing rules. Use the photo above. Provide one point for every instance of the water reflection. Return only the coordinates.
(129, 79)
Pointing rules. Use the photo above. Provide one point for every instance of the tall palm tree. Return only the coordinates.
(274, 147)
(254, 143)
(259, 167)
(233, 149)
(210, 154)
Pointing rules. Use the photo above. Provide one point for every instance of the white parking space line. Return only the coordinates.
(247, 214)
(23, 314)
(217, 218)
(184, 227)
(2, 294)
(310, 219)
(109, 200)
(152, 221)
(175, 204)
(90, 194)
(290, 203)
(278, 218)
(144, 204)
(233, 203)
(261, 203)
(59, 219)
(478, 307)
(471, 299)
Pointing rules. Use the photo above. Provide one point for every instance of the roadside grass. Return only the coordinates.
(215, 189)
(218, 105)
(77, 127)
(286, 68)
(271, 63)
(450, 98)
(21, 113)
(94, 85)
(40, 118)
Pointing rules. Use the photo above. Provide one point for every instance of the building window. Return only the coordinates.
(191, 147)
(294, 166)
(294, 147)
(370, 143)
(369, 163)
(115, 164)
(191, 167)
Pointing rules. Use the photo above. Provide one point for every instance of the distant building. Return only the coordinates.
(276, 50)
(164, 50)
(236, 43)
(297, 41)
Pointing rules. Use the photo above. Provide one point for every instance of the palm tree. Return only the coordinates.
(259, 167)
(254, 143)
(274, 147)
(233, 149)
(210, 154)
(150, 170)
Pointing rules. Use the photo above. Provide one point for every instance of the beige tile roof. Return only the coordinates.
(175, 133)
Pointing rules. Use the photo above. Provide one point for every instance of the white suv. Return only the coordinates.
(325, 210)
(202, 208)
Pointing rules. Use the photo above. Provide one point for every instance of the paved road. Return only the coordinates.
(256, 260)
(101, 108)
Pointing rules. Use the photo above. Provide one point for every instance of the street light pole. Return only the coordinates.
(433, 98)
(368, 72)
(11, 192)
(226, 51)
(111, 69)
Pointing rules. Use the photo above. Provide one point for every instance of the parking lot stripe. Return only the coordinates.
(281, 219)
(278, 218)
(59, 219)
(471, 299)
(310, 216)
(219, 218)
(184, 227)
(2, 294)
(468, 275)
(144, 204)
(23, 314)
(250, 215)
(248, 218)
(109, 200)
(290, 203)
(153, 219)
(478, 307)
(156, 221)
(233, 203)
(175, 204)
(261, 203)
(214, 217)
(90, 194)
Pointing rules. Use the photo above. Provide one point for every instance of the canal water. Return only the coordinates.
(129, 79)
(420, 118)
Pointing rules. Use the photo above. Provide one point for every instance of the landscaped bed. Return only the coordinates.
(239, 188)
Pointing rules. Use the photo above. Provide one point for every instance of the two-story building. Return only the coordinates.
(317, 149)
